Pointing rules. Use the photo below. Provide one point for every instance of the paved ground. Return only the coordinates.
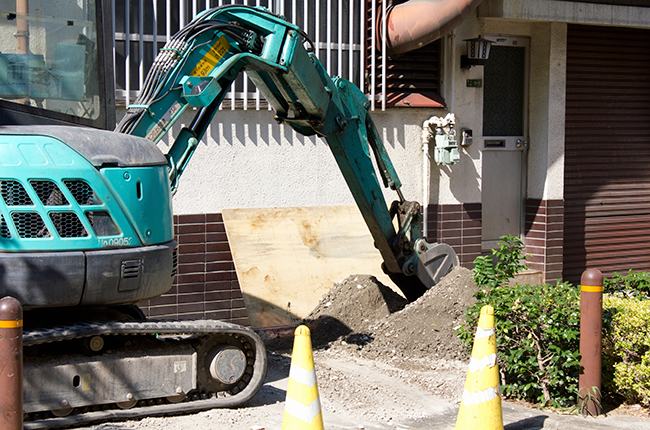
(409, 376)
(367, 397)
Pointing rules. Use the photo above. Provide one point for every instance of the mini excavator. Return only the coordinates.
(86, 222)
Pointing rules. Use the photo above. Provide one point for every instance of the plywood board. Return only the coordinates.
(287, 258)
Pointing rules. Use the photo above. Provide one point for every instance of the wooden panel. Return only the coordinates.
(287, 258)
(607, 154)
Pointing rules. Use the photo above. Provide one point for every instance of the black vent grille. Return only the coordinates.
(82, 193)
(50, 208)
(30, 225)
(4, 230)
(14, 194)
(49, 193)
(102, 223)
(174, 262)
(67, 224)
(131, 268)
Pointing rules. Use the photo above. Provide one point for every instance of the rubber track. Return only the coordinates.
(198, 327)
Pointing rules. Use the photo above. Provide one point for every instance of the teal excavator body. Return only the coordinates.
(85, 217)
(88, 251)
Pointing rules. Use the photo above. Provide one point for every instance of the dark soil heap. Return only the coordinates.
(362, 311)
(351, 308)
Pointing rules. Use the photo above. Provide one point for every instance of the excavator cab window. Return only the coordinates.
(52, 65)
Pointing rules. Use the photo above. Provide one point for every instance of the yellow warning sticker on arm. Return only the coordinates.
(211, 58)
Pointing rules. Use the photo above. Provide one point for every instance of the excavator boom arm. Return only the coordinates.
(196, 69)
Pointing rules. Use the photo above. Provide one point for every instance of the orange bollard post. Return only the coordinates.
(591, 326)
(11, 364)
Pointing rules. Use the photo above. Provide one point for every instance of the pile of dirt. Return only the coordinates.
(426, 327)
(352, 307)
(362, 311)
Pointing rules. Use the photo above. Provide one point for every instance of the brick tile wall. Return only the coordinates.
(458, 226)
(544, 237)
(206, 286)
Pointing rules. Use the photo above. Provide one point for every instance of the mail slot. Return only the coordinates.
(494, 143)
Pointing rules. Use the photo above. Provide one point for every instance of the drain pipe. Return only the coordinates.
(426, 172)
(427, 135)
(416, 23)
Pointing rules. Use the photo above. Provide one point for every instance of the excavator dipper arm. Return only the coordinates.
(198, 65)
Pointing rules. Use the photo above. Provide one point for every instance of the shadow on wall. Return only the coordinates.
(393, 135)
(255, 128)
(258, 128)
(464, 179)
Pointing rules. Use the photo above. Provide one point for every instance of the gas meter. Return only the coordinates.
(442, 130)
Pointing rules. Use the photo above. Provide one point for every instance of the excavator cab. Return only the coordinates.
(54, 65)
(85, 214)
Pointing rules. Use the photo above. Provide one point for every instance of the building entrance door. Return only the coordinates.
(505, 131)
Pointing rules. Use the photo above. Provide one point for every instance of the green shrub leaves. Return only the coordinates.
(537, 329)
(626, 348)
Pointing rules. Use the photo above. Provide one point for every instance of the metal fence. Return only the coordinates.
(343, 33)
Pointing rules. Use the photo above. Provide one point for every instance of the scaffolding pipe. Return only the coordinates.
(22, 27)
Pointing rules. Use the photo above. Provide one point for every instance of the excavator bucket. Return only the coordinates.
(436, 263)
(433, 264)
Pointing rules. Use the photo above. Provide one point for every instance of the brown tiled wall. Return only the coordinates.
(458, 226)
(206, 286)
(544, 237)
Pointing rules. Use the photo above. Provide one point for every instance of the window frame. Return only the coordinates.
(12, 113)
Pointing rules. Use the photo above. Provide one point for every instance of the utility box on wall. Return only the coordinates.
(444, 136)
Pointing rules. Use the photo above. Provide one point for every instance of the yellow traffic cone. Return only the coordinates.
(481, 404)
(302, 406)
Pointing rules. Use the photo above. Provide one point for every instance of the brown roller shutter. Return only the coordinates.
(607, 153)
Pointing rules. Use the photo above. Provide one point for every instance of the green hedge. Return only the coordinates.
(626, 347)
(634, 284)
(537, 329)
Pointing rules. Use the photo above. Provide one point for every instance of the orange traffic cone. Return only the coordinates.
(480, 407)
(302, 407)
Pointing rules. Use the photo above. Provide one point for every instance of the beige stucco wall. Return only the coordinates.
(547, 111)
(461, 183)
(247, 160)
